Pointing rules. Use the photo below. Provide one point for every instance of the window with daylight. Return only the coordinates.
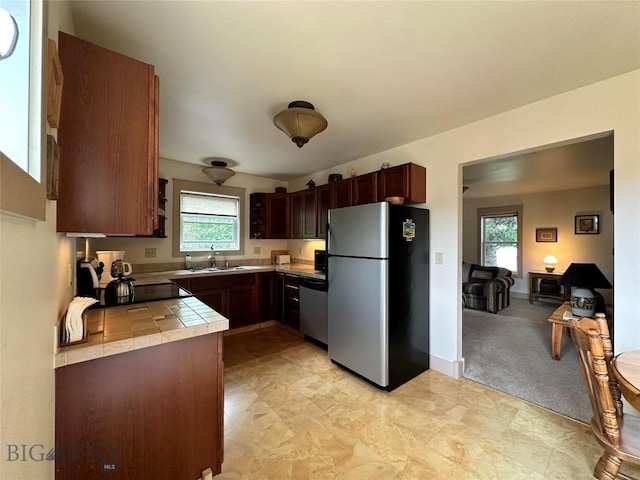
(209, 218)
(501, 237)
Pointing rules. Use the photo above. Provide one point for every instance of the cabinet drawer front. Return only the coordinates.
(200, 284)
(291, 292)
(291, 280)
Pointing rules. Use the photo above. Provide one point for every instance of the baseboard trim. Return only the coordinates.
(452, 369)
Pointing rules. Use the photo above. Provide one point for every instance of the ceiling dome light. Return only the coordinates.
(218, 172)
(300, 122)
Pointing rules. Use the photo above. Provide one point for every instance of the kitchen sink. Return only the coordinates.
(232, 269)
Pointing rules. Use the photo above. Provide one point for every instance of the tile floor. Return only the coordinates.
(291, 414)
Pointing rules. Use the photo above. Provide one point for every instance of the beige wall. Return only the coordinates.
(551, 209)
(170, 169)
(34, 292)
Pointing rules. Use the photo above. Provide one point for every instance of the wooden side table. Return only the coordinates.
(557, 324)
(534, 286)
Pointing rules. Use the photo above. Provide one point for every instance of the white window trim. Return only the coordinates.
(186, 185)
(498, 211)
(20, 193)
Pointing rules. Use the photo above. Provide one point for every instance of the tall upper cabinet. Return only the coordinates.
(108, 138)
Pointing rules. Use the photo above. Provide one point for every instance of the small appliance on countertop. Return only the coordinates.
(320, 260)
(283, 259)
(88, 275)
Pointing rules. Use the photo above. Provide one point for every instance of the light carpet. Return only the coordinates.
(513, 354)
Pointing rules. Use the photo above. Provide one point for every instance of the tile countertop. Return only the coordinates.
(163, 277)
(121, 329)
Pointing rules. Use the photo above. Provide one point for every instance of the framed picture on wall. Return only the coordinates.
(587, 224)
(546, 234)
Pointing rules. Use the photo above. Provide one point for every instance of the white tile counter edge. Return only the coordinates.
(80, 353)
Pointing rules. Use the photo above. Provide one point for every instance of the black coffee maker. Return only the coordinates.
(88, 274)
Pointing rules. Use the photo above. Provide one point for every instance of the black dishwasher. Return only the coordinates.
(313, 308)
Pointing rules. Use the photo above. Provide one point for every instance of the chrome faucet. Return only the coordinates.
(212, 259)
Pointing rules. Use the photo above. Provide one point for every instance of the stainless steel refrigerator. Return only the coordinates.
(378, 291)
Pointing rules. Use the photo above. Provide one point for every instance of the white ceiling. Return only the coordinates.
(577, 163)
(382, 73)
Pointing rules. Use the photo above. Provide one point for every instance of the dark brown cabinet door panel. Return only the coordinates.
(408, 181)
(297, 214)
(108, 142)
(309, 214)
(150, 413)
(365, 188)
(278, 215)
(342, 193)
(241, 306)
(324, 203)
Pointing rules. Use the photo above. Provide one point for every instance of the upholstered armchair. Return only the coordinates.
(485, 288)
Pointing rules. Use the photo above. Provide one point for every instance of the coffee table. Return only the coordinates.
(557, 324)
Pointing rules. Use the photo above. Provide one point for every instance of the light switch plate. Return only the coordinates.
(438, 258)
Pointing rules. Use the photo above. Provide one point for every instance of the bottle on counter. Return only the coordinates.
(187, 262)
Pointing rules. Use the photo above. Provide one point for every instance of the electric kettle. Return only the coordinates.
(120, 290)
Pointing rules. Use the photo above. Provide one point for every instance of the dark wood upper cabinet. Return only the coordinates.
(342, 193)
(108, 138)
(324, 201)
(278, 215)
(365, 188)
(303, 214)
(269, 215)
(258, 215)
(297, 214)
(408, 181)
(310, 214)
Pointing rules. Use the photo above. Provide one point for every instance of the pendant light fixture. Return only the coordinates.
(218, 172)
(300, 122)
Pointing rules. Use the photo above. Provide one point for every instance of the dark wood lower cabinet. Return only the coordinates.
(241, 303)
(243, 298)
(291, 301)
(154, 413)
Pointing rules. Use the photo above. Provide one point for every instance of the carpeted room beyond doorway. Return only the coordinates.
(511, 352)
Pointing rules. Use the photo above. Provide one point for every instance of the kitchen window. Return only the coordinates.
(500, 233)
(207, 218)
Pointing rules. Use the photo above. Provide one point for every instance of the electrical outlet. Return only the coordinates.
(256, 250)
(438, 258)
(299, 250)
(70, 276)
(150, 252)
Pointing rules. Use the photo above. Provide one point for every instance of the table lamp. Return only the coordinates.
(583, 278)
(550, 263)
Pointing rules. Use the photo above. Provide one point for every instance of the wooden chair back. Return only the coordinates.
(593, 346)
